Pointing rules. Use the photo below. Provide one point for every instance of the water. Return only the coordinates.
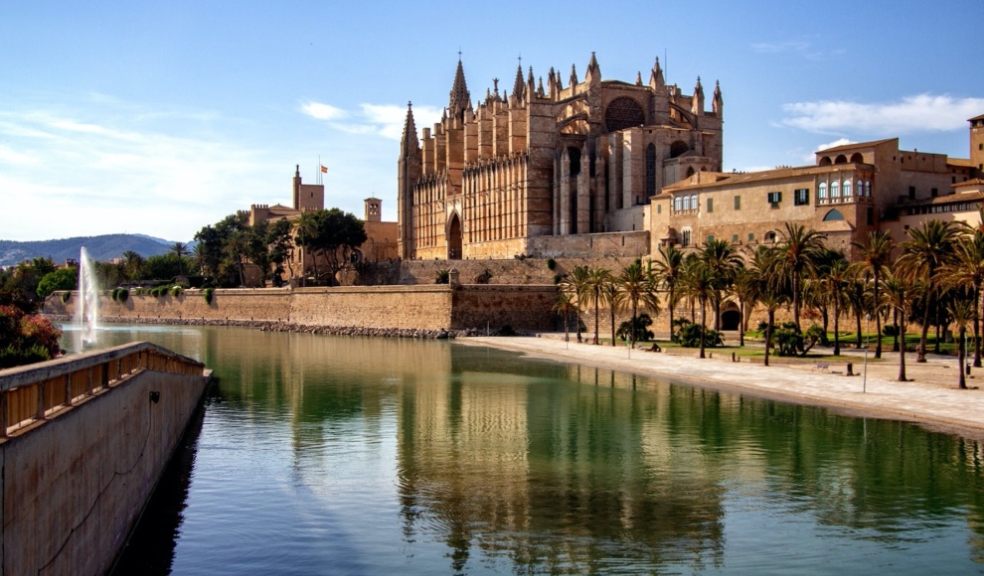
(86, 320)
(319, 455)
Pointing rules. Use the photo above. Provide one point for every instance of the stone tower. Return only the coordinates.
(374, 208)
(408, 173)
(977, 144)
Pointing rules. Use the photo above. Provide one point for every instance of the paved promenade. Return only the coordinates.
(931, 397)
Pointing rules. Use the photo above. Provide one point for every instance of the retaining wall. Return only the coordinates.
(75, 482)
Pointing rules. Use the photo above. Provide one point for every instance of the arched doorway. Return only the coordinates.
(730, 318)
(454, 238)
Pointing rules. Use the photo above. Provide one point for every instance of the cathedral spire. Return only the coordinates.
(593, 75)
(519, 85)
(573, 80)
(460, 98)
(717, 104)
(656, 80)
(697, 102)
(409, 144)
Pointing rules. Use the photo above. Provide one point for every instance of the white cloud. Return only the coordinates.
(384, 120)
(322, 111)
(919, 113)
(16, 157)
(780, 47)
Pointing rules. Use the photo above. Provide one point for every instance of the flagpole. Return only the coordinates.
(319, 169)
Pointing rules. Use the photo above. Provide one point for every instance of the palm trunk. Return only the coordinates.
(670, 306)
(567, 334)
(936, 346)
(895, 339)
(717, 312)
(611, 311)
(796, 302)
(921, 353)
(741, 323)
(837, 342)
(768, 334)
(597, 314)
(703, 325)
(902, 377)
(635, 310)
(977, 334)
(961, 356)
(878, 346)
(857, 317)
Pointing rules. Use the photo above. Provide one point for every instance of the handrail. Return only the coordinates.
(28, 393)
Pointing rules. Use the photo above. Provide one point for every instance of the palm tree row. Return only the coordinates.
(935, 278)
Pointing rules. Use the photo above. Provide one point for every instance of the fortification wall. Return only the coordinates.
(523, 308)
(75, 484)
(383, 307)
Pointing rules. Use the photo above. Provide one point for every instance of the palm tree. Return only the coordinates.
(597, 279)
(798, 252)
(700, 282)
(745, 289)
(770, 288)
(637, 285)
(669, 268)
(967, 269)
(723, 261)
(875, 256)
(923, 254)
(180, 249)
(610, 297)
(576, 286)
(855, 299)
(564, 305)
(897, 296)
(834, 283)
(962, 312)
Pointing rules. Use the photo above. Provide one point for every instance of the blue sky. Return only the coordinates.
(162, 117)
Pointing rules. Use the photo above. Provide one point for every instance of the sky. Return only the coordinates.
(160, 118)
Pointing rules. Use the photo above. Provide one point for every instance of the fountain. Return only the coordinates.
(87, 307)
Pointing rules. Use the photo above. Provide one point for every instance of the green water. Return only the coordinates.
(320, 455)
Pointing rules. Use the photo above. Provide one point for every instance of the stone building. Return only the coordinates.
(849, 191)
(535, 171)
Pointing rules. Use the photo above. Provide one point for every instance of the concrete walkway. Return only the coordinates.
(931, 397)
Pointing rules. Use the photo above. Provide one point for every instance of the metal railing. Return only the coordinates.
(33, 393)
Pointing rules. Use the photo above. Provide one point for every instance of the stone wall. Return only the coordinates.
(74, 485)
(491, 308)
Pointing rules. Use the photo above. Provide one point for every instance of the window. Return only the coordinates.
(751, 237)
(709, 239)
(833, 215)
(659, 208)
(912, 192)
(934, 192)
(677, 203)
(835, 190)
(770, 236)
(710, 205)
(737, 202)
(801, 196)
(734, 238)
(847, 188)
(685, 237)
(867, 188)
(774, 198)
(822, 192)
(693, 202)
(871, 216)
(686, 203)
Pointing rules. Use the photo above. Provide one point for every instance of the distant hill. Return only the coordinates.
(105, 247)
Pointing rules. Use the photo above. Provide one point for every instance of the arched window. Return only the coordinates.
(650, 170)
(867, 188)
(685, 237)
(841, 159)
(825, 161)
(857, 158)
(835, 190)
(677, 148)
(834, 214)
(822, 192)
(693, 202)
(847, 188)
(690, 171)
(770, 236)
(677, 203)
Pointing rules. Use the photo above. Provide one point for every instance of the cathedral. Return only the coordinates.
(536, 171)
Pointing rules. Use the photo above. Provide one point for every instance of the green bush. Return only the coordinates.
(638, 330)
(208, 295)
(688, 336)
(176, 290)
(890, 330)
(790, 341)
(443, 277)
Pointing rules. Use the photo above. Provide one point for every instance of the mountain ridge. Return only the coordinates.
(102, 247)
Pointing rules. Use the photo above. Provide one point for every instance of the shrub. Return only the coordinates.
(551, 264)
(890, 330)
(443, 277)
(27, 338)
(208, 295)
(638, 329)
(124, 294)
(688, 336)
(484, 277)
(791, 342)
(176, 290)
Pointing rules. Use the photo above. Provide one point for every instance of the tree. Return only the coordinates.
(638, 286)
(834, 282)
(20, 285)
(669, 268)
(897, 296)
(576, 286)
(967, 269)
(745, 289)
(26, 338)
(923, 254)
(333, 235)
(132, 265)
(962, 312)
(796, 258)
(722, 261)
(281, 246)
(700, 282)
(564, 305)
(771, 288)
(875, 255)
(180, 249)
(610, 297)
(598, 278)
(61, 279)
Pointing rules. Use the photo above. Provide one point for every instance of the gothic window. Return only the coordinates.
(847, 188)
(686, 203)
(693, 201)
(857, 158)
(574, 155)
(833, 215)
(835, 189)
(822, 192)
(677, 203)
(623, 113)
(867, 188)
(685, 237)
(678, 148)
(650, 170)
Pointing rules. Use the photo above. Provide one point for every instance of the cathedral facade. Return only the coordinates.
(546, 165)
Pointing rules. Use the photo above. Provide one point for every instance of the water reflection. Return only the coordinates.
(335, 455)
